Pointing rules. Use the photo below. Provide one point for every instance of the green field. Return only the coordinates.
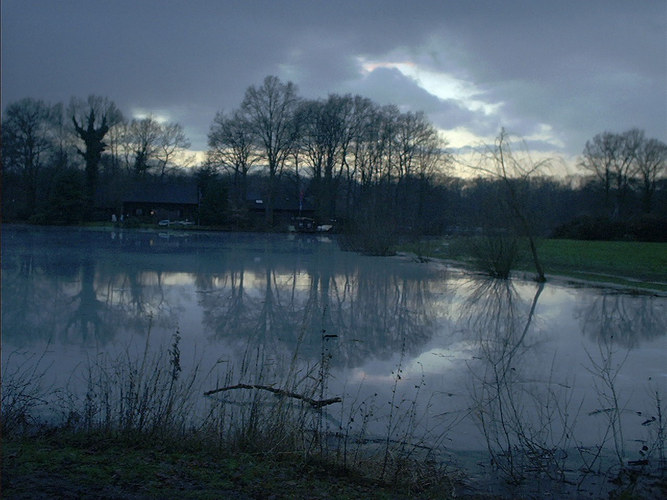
(637, 264)
(634, 260)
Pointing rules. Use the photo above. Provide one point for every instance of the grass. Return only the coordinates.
(86, 465)
(628, 263)
(636, 260)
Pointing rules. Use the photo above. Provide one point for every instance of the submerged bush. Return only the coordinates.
(370, 236)
(494, 254)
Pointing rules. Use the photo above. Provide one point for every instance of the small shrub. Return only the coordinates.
(370, 236)
(23, 393)
(494, 254)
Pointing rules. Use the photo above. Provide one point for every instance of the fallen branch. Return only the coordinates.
(281, 392)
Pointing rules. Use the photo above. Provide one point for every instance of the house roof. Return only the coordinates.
(182, 193)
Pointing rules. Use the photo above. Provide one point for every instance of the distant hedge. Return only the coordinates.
(640, 228)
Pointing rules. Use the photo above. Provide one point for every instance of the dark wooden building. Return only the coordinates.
(156, 201)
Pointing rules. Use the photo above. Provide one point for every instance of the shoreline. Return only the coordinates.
(556, 278)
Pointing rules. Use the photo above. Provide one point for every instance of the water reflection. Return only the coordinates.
(540, 387)
(92, 286)
(623, 319)
(97, 287)
(369, 308)
(88, 317)
(506, 352)
(496, 314)
(512, 399)
(75, 295)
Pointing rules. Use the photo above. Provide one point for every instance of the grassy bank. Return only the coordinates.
(83, 465)
(636, 264)
(144, 426)
(633, 260)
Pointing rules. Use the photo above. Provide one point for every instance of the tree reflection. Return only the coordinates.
(626, 320)
(87, 287)
(386, 309)
(88, 317)
(233, 311)
(29, 304)
(226, 309)
(498, 318)
(82, 295)
(368, 309)
(523, 420)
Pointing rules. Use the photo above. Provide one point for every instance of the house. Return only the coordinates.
(285, 209)
(156, 201)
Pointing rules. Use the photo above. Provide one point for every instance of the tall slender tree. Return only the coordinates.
(514, 170)
(269, 110)
(170, 146)
(651, 161)
(144, 136)
(231, 147)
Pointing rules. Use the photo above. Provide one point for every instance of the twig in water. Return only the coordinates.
(281, 392)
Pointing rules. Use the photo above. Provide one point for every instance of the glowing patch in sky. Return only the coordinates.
(446, 86)
(461, 137)
(545, 133)
(441, 85)
(160, 117)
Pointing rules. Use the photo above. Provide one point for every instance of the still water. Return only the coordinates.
(436, 341)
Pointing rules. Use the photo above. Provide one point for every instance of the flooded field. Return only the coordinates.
(493, 375)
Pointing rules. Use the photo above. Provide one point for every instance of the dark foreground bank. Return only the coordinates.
(80, 466)
(88, 466)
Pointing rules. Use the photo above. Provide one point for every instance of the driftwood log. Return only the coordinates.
(315, 403)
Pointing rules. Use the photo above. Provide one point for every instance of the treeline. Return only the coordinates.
(372, 169)
(57, 159)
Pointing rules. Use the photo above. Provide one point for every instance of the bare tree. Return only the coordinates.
(269, 110)
(62, 137)
(92, 119)
(515, 171)
(120, 147)
(312, 142)
(372, 229)
(599, 156)
(362, 108)
(610, 157)
(171, 143)
(420, 155)
(651, 158)
(231, 147)
(625, 167)
(325, 136)
(144, 137)
(153, 145)
(27, 140)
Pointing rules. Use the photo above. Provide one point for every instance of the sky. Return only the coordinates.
(555, 72)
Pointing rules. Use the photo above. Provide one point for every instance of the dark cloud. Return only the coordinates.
(390, 86)
(577, 67)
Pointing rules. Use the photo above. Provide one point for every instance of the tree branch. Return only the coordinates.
(281, 392)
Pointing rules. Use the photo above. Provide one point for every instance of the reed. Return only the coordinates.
(24, 392)
(277, 406)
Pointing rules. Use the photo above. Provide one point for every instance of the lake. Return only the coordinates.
(443, 356)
